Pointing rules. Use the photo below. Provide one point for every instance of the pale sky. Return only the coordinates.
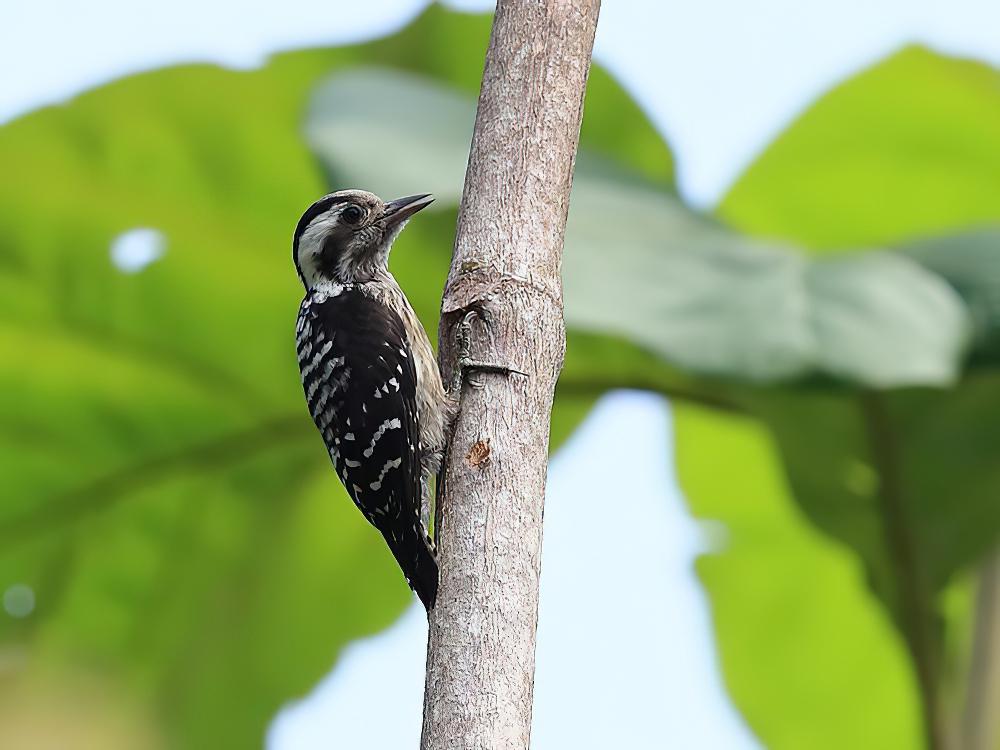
(625, 656)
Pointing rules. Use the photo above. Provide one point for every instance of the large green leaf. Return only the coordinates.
(164, 495)
(906, 149)
(805, 651)
(166, 498)
(907, 479)
(971, 263)
(392, 131)
(715, 304)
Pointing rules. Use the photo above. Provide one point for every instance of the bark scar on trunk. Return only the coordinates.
(479, 453)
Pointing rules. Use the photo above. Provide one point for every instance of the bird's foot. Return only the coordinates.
(466, 363)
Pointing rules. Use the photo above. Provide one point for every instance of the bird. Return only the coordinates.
(370, 378)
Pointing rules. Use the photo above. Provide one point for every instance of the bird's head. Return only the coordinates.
(345, 237)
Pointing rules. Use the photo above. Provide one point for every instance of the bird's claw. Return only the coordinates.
(466, 364)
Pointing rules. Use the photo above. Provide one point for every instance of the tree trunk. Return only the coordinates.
(506, 267)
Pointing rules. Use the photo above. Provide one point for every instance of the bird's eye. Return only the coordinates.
(352, 214)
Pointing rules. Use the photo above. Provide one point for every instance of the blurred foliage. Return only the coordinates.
(907, 149)
(166, 497)
(65, 711)
(908, 478)
(807, 653)
(971, 263)
(175, 515)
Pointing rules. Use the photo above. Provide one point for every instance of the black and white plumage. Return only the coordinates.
(369, 374)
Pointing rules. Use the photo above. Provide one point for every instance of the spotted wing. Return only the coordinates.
(365, 403)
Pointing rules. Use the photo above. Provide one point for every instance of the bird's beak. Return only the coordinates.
(401, 209)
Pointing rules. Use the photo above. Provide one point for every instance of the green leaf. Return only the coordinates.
(909, 481)
(877, 472)
(932, 430)
(806, 654)
(393, 132)
(908, 148)
(906, 478)
(971, 264)
(715, 304)
(165, 496)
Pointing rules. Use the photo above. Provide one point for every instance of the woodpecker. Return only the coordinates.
(369, 374)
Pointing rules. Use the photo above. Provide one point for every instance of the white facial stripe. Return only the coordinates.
(365, 251)
(311, 244)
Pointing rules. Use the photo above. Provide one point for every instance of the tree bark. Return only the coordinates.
(507, 268)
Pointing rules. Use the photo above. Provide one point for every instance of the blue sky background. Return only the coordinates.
(627, 645)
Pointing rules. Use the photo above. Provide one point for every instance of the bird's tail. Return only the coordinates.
(416, 558)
